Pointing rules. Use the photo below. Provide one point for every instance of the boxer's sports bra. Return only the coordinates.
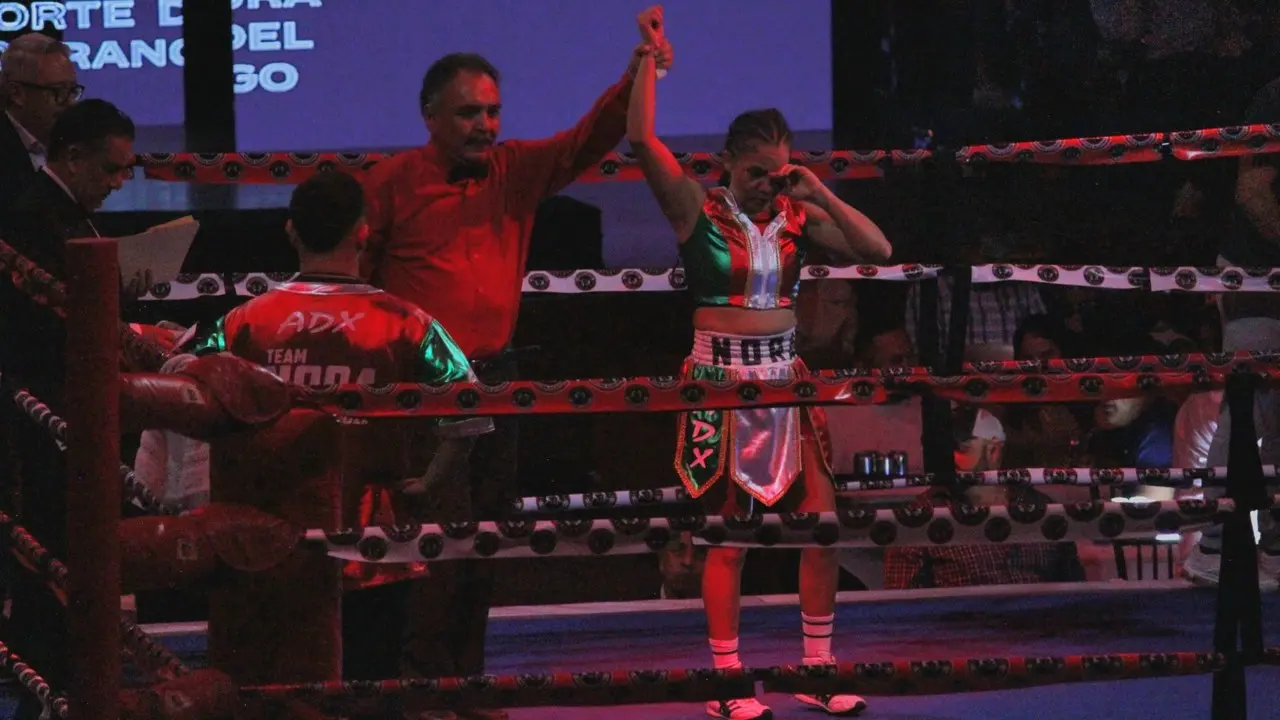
(731, 261)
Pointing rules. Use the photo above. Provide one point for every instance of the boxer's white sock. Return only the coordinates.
(817, 635)
(724, 653)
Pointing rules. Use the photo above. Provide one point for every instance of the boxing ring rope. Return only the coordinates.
(33, 682)
(584, 281)
(1146, 364)
(916, 524)
(133, 489)
(149, 655)
(672, 394)
(89, 442)
(1012, 477)
(897, 677)
(880, 527)
(35, 556)
(1187, 145)
(43, 416)
(1178, 477)
(136, 352)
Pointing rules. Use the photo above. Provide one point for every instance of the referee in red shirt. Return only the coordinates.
(450, 227)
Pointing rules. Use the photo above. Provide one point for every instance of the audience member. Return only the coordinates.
(1048, 435)
(89, 156)
(1133, 432)
(995, 312)
(1194, 428)
(889, 427)
(1251, 322)
(681, 566)
(37, 83)
(827, 318)
(979, 443)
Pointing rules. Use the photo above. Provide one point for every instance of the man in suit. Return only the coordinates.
(37, 83)
(90, 153)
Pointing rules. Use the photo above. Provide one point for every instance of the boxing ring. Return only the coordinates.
(1179, 652)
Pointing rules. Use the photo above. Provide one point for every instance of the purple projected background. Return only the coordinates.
(344, 74)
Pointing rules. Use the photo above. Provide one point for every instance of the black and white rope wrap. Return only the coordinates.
(1077, 477)
(570, 282)
(913, 525)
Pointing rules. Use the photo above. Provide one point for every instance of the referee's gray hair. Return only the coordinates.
(20, 62)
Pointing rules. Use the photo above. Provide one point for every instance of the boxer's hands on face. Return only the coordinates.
(802, 184)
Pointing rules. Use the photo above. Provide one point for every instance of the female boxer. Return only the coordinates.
(743, 244)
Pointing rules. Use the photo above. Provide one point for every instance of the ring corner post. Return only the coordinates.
(92, 392)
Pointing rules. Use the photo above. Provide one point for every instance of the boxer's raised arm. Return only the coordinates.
(679, 195)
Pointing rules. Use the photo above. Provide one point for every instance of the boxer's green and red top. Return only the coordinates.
(326, 330)
(332, 330)
(732, 261)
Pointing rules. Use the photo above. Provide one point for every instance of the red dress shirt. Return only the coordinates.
(458, 249)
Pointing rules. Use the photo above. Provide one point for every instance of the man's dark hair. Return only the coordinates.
(1048, 327)
(443, 71)
(89, 124)
(324, 209)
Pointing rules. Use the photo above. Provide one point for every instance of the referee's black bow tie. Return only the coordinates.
(468, 171)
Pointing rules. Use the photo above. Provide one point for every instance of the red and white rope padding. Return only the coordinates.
(904, 677)
(671, 394)
(134, 489)
(43, 416)
(290, 168)
(33, 682)
(913, 525)
(32, 553)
